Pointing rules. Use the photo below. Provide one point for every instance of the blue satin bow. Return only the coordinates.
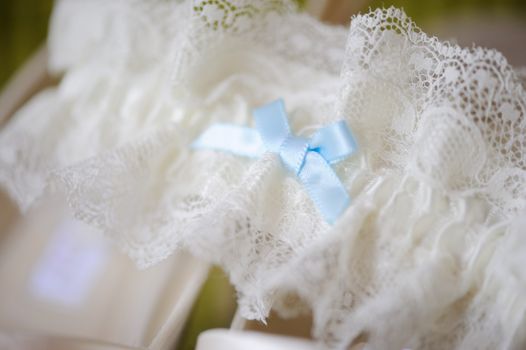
(309, 159)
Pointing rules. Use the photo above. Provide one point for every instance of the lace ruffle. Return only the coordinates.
(432, 238)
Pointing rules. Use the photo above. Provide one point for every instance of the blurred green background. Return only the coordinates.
(498, 23)
(23, 23)
(23, 27)
(426, 10)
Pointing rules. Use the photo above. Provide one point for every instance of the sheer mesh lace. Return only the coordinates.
(428, 254)
(461, 120)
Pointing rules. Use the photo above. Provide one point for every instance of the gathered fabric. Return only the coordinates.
(309, 159)
(429, 253)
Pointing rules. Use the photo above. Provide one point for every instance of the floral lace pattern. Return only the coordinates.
(428, 254)
(462, 110)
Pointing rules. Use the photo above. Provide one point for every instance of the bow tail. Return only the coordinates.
(324, 187)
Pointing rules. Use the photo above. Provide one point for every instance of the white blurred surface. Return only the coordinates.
(223, 339)
(63, 286)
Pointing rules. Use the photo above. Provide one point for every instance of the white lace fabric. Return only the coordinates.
(428, 254)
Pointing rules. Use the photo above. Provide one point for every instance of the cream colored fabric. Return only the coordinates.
(41, 262)
(430, 240)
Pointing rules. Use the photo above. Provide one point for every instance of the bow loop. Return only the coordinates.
(334, 142)
(272, 124)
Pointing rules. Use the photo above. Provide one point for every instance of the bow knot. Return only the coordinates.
(309, 159)
(293, 151)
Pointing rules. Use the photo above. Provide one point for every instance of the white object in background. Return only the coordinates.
(70, 265)
(224, 339)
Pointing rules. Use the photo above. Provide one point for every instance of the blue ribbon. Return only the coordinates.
(309, 159)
